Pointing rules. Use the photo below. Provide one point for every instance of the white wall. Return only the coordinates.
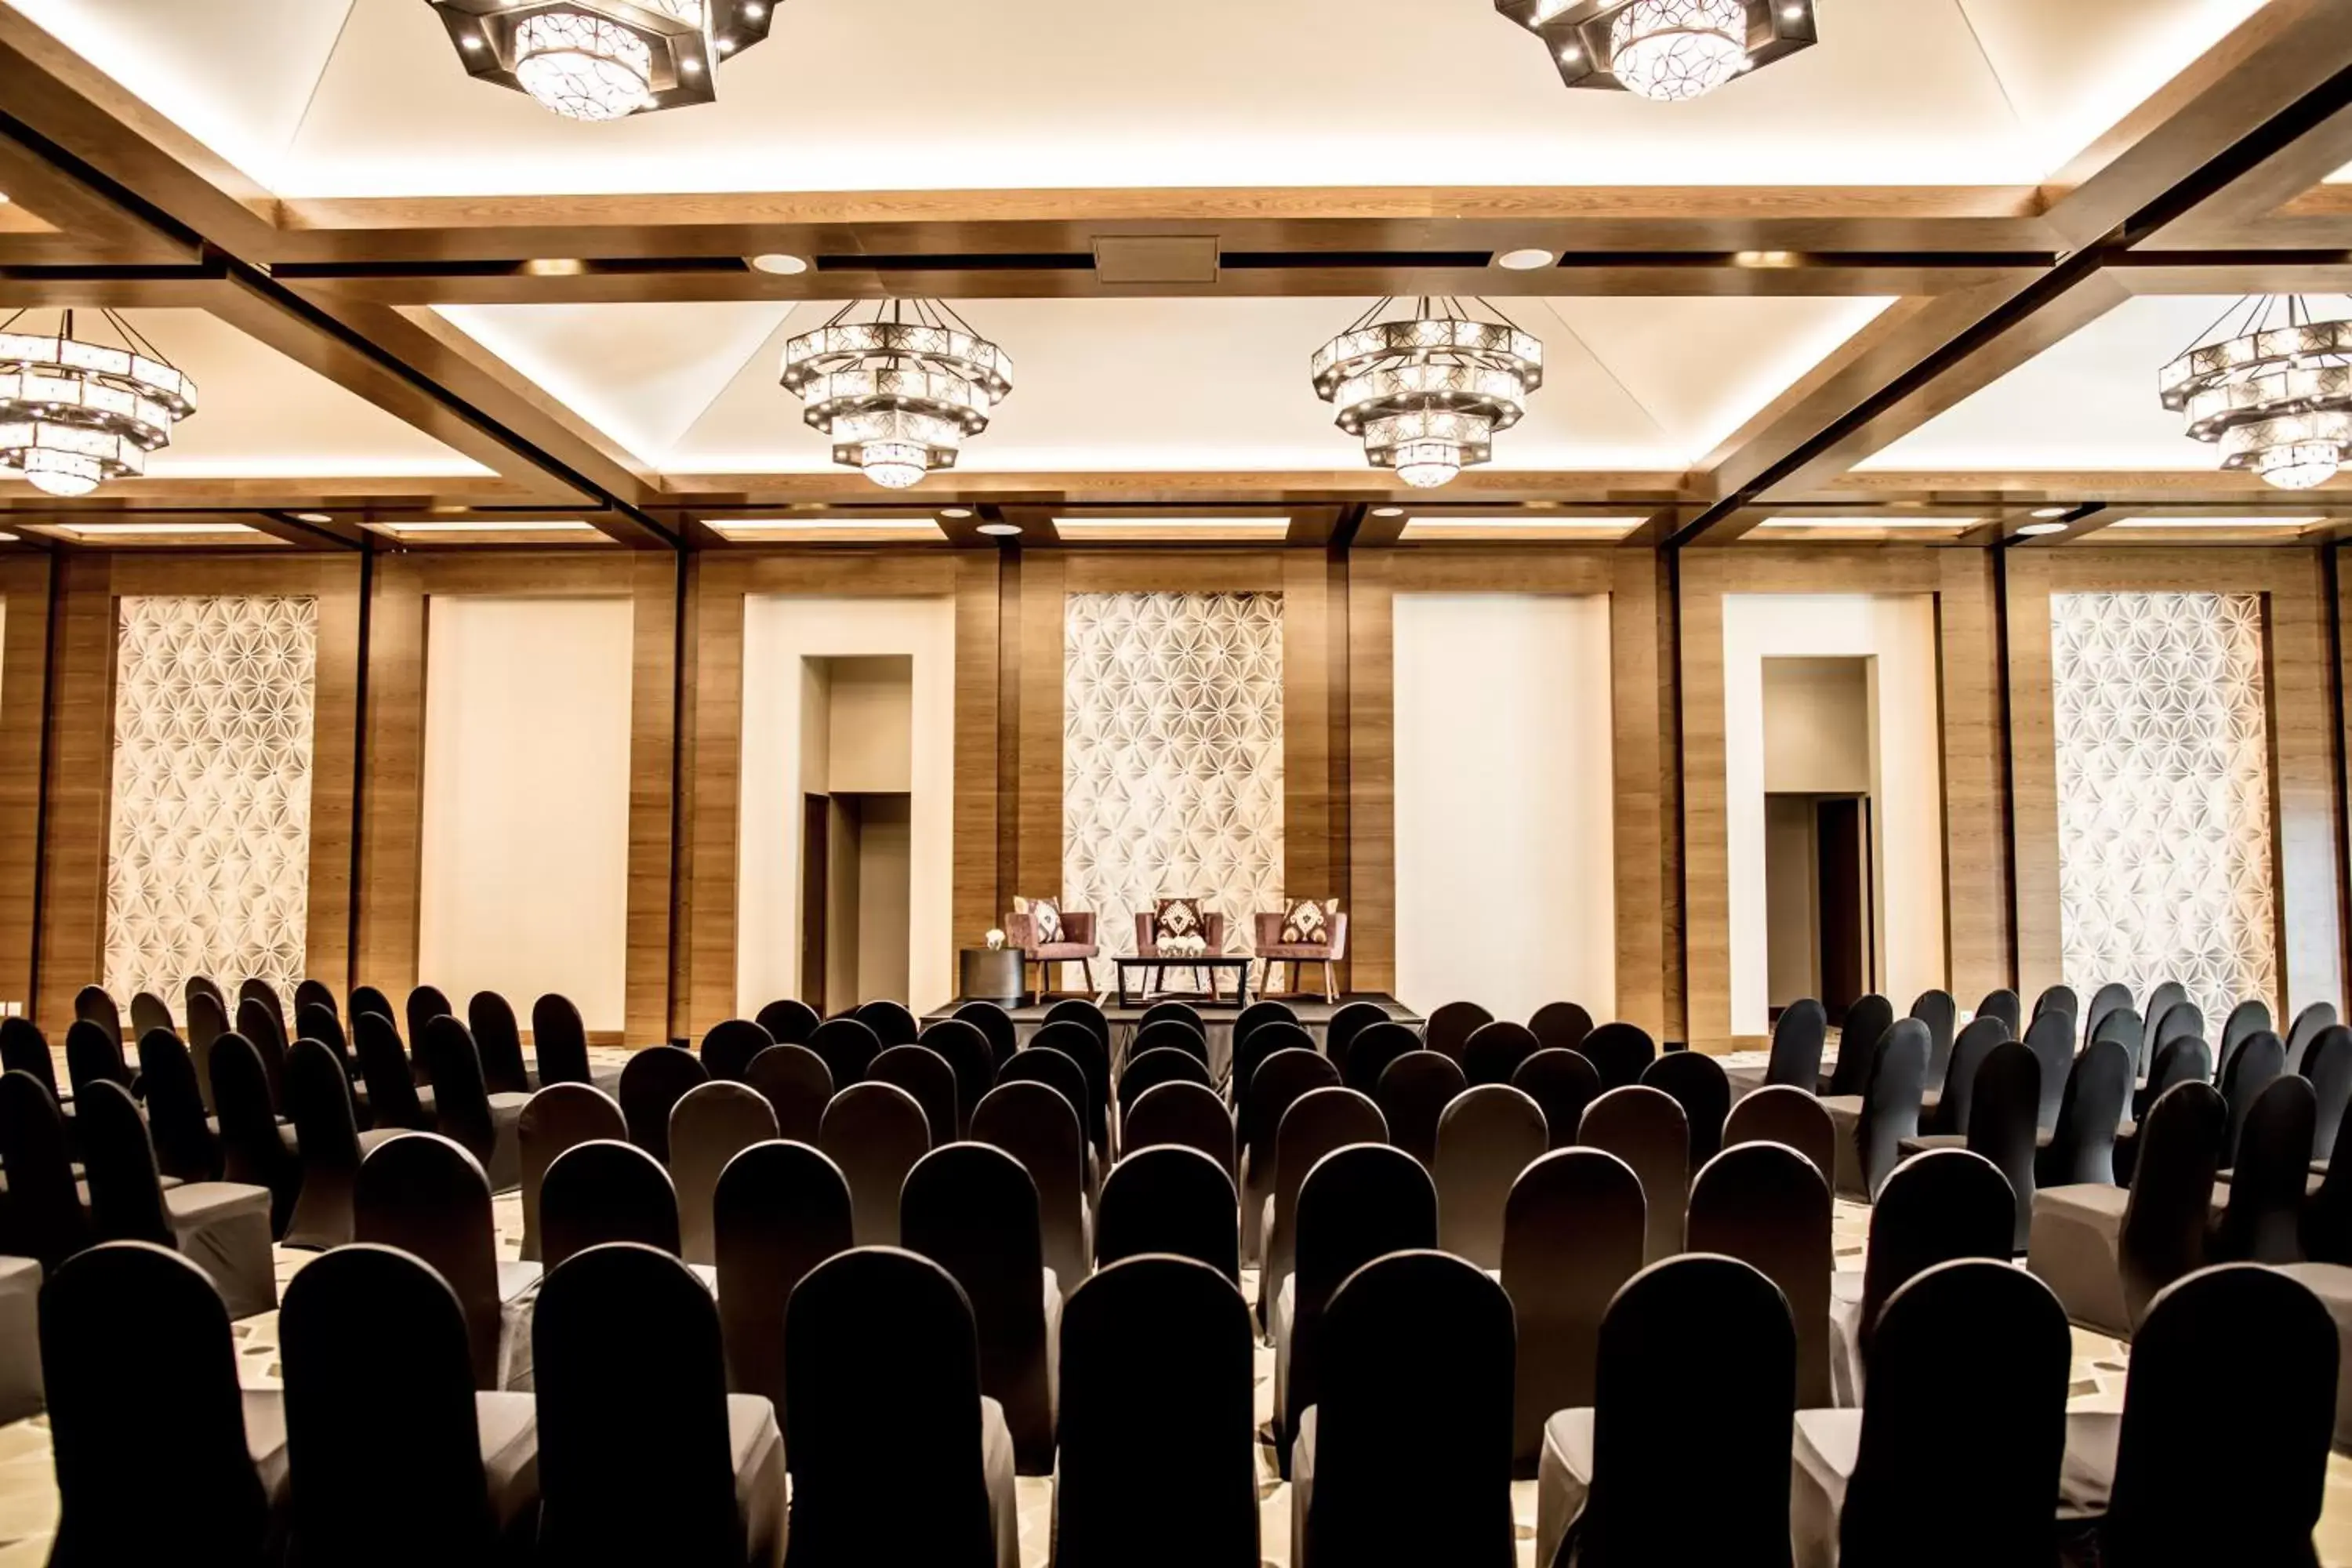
(1897, 633)
(1816, 726)
(526, 831)
(1505, 885)
(780, 632)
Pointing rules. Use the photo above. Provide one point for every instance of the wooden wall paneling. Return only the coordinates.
(2033, 774)
(1976, 807)
(1310, 863)
(1038, 872)
(979, 805)
(1667, 640)
(652, 759)
(24, 691)
(1013, 567)
(1372, 768)
(80, 786)
(1641, 711)
(392, 810)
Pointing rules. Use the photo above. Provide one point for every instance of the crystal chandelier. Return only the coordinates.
(1670, 50)
(900, 391)
(1427, 391)
(602, 60)
(73, 414)
(2274, 391)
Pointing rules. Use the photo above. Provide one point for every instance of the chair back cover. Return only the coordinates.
(461, 1095)
(1699, 1085)
(729, 1046)
(94, 1004)
(2182, 1059)
(2168, 1219)
(2051, 1038)
(2007, 1095)
(1891, 1099)
(1371, 1048)
(559, 1041)
(2327, 1063)
(428, 1196)
(383, 1450)
(892, 1023)
(1413, 1092)
(605, 1191)
(251, 1151)
(1645, 1127)
(1346, 1021)
(2259, 1060)
(185, 1146)
(497, 1035)
(1317, 1121)
(264, 995)
(875, 1132)
(1078, 1041)
(779, 1210)
(1035, 1122)
(1486, 1137)
(2263, 1223)
(2167, 994)
(200, 1499)
(262, 1030)
(1620, 1052)
(1246, 1021)
(149, 1011)
(1967, 1377)
(1560, 1026)
(1799, 1037)
(1272, 1036)
(2106, 999)
(555, 1119)
(370, 999)
(1766, 1204)
(1186, 1114)
(789, 1021)
(314, 1022)
(2300, 1034)
(1957, 1086)
(972, 1210)
(1572, 1234)
(25, 1050)
(1944, 1205)
(963, 1045)
(319, 1099)
(1161, 1063)
(1172, 1199)
(311, 992)
(713, 1124)
(606, 1494)
(2247, 1019)
(1866, 1019)
(1156, 1421)
(1783, 1113)
(796, 1084)
(126, 1197)
(925, 1074)
(1358, 1203)
(1699, 1365)
(1494, 1051)
(1279, 1081)
(2223, 1458)
(652, 1084)
(881, 1358)
(1413, 1443)
(93, 1056)
(207, 1021)
(1941, 1014)
(1078, 1010)
(1451, 1025)
(848, 1047)
(2004, 1005)
(2083, 1147)
(383, 1067)
(2060, 999)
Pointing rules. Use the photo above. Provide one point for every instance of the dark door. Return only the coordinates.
(1841, 825)
(816, 856)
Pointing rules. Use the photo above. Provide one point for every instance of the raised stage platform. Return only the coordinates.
(1313, 1011)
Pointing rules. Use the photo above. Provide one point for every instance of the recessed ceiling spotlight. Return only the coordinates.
(554, 267)
(1388, 511)
(957, 512)
(1571, 54)
(2051, 511)
(754, 11)
(312, 517)
(1793, 13)
(471, 41)
(781, 263)
(1764, 259)
(1526, 260)
(2036, 530)
(1001, 530)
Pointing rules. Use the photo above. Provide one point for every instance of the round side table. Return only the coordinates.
(990, 975)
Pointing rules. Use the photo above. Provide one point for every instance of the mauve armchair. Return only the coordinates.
(1271, 950)
(1076, 946)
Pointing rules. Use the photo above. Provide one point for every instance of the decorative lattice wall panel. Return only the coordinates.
(209, 863)
(2164, 817)
(1171, 757)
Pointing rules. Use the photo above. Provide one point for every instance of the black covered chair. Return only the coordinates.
(2167, 994)
(207, 1021)
(264, 995)
(925, 1074)
(1494, 1051)
(253, 1151)
(1170, 1032)
(1799, 1037)
(2257, 1061)
(1273, 1036)
(185, 1143)
(313, 1022)
(319, 1099)
(1373, 1047)
(2008, 1094)
(1866, 1019)
(604, 1191)
(1941, 1014)
(265, 1033)
(364, 999)
(972, 1056)
(1486, 1137)
(972, 1210)
(2108, 998)
(2061, 1000)
(1173, 1200)
(1560, 1026)
(1955, 1089)
(2105, 1251)
(1158, 1463)
(2247, 1019)
(559, 1117)
(201, 1503)
(2300, 1034)
(46, 1218)
(1767, 1205)
(1036, 1123)
(314, 993)
(424, 1004)
(559, 1041)
(223, 1228)
(25, 1050)
(1563, 1082)
(1082, 1011)
(1699, 1085)
(880, 1358)
(781, 1209)
(93, 1056)
(1944, 1205)
(1147, 1070)
(1697, 1344)
(394, 1099)
(2082, 1149)
(2004, 1005)
(875, 1132)
(1969, 1377)
(710, 1492)
(95, 1006)
(2264, 1221)
(427, 1195)
(2051, 1038)
(1412, 1094)
(1346, 1021)
(1185, 1114)
(1873, 1123)
(1572, 1234)
(848, 1047)
(1278, 1082)
(1317, 1123)
(378, 1384)
(1644, 1127)
(797, 1086)
(892, 1023)
(491, 1019)
(465, 1109)
(729, 1046)
(790, 1021)
(1406, 1456)
(149, 1011)
(1076, 1039)
(1451, 1025)
(709, 1127)
(652, 1084)
(2327, 1063)
(2183, 1058)
(1620, 1053)
(1784, 1114)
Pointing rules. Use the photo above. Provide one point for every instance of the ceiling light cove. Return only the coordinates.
(602, 60)
(1670, 50)
(74, 413)
(1427, 386)
(2275, 392)
(898, 389)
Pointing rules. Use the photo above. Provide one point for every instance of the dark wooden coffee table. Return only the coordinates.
(1207, 962)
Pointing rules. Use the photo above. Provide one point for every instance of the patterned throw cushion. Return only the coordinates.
(1044, 920)
(1178, 925)
(1308, 924)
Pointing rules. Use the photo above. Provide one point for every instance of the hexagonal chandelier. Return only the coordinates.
(1428, 389)
(1665, 49)
(604, 59)
(2273, 391)
(74, 414)
(897, 392)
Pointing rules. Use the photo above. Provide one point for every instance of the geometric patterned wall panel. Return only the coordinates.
(2164, 818)
(208, 869)
(1171, 757)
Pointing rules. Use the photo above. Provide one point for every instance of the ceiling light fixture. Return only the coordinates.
(2037, 530)
(2274, 392)
(957, 513)
(1388, 511)
(1001, 530)
(1526, 260)
(316, 516)
(74, 414)
(2047, 511)
(900, 391)
(1427, 391)
(601, 59)
(1671, 51)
